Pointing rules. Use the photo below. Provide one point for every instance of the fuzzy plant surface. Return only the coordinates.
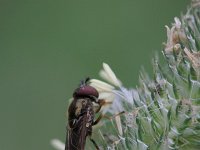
(163, 112)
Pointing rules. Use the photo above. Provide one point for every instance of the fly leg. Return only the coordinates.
(95, 144)
(114, 116)
(101, 102)
(98, 119)
(107, 117)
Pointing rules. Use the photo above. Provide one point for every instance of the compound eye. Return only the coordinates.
(86, 91)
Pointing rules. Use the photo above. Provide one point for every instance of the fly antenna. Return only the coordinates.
(85, 81)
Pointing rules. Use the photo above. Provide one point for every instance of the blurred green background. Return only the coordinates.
(47, 47)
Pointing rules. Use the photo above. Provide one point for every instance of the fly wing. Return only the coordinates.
(80, 124)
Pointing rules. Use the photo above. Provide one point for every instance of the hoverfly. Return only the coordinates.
(81, 116)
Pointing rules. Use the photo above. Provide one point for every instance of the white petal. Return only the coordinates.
(110, 77)
(109, 97)
(128, 94)
(119, 125)
(116, 106)
(101, 86)
(104, 75)
(57, 144)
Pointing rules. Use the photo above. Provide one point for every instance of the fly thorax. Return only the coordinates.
(80, 104)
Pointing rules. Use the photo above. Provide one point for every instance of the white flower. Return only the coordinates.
(101, 86)
(106, 90)
(107, 74)
(116, 106)
(107, 93)
(57, 144)
(128, 95)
